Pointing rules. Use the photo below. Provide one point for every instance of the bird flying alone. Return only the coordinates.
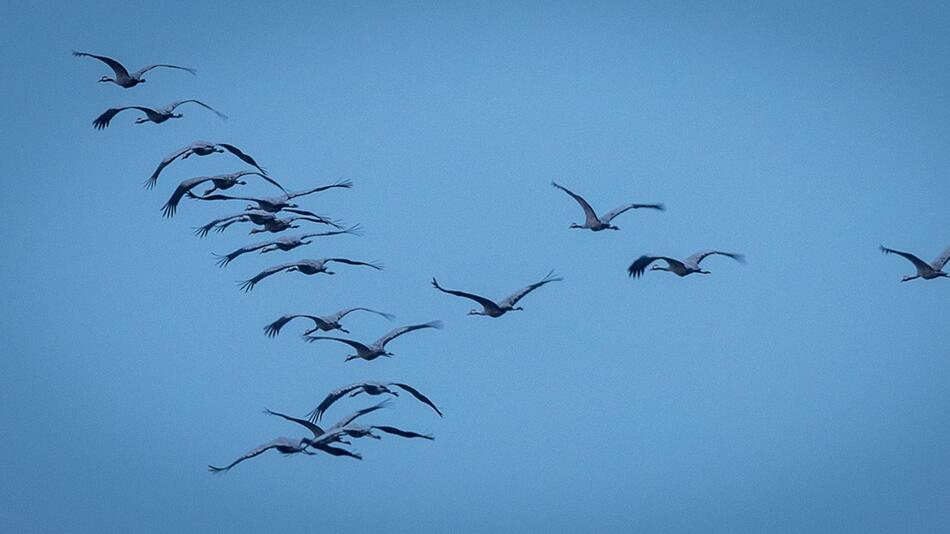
(156, 115)
(491, 308)
(200, 148)
(308, 267)
(595, 223)
(122, 76)
(378, 347)
(927, 271)
(681, 268)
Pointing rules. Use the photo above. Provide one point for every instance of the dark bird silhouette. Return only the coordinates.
(370, 388)
(285, 244)
(325, 323)
(276, 204)
(267, 222)
(595, 223)
(221, 181)
(681, 268)
(378, 347)
(122, 76)
(200, 148)
(491, 308)
(156, 115)
(308, 267)
(927, 271)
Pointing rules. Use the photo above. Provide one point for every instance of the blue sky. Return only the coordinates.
(803, 391)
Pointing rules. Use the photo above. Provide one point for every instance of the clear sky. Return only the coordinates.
(804, 391)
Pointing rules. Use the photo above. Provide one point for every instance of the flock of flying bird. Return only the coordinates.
(263, 213)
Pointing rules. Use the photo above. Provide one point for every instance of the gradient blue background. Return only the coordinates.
(805, 391)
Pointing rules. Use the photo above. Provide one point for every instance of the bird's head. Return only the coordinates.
(255, 231)
(140, 120)
(350, 357)
(907, 278)
(293, 205)
(177, 115)
(293, 268)
(250, 207)
(612, 227)
(296, 226)
(657, 268)
(701, 271)
(105, 79)
(473, 311)
(519, 308)
(240, 182)
(388, 354)
(575, 225)
(341, 329)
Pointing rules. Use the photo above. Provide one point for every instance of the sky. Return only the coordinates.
(804, 391)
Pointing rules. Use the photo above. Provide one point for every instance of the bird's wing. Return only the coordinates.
(312, 427)
(279, 442)
(332, 397)
(102, 121)
(273, 329)
(355, 344)
(342, 183)
(113, 64)
(319, 219)
(941, 260)
(150, 183)
(415, 393)
(518, 295)
(699, 256)
(402, 433)
(218, 196)
(486, 303)
(168, 210)
(249, 284)
(405, 329)
(374, 265)
(264, 176)
(242, 156)
(343, 313)
(355, 230)
(640, 264)
(143, 70)
(609, 216)
(919, 263)
(202, 231)
(353, 416)
(225, 259)
(336, 451)
(175, 104)
(589, 214)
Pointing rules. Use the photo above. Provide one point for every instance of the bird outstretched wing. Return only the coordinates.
(488, 304)
(609, 216)
(640, 264)
(102, 121)
(404, 330)
(941, 260)
(919, 263)
(171, 107)
(116, 67)
(273, 329)
(249, 284)
(701, 255)
(415, 393)
(589, 215)
(143, 70)
(520, 294)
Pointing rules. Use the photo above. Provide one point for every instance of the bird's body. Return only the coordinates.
(681, 268)
(308, 267)
(324, 323)
(927, 271)
(284, 244)
(491, 308)
(201, 148)
(123, 78)
(369, 388)
(378, 347)
(156, 115)
(221, 181)
(597, 223)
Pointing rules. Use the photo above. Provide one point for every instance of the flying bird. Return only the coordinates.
(307, 267)
(285, 446)
(122, 76)
(681, 268)
(345, 428)
(267, 222)
(157, 116)
(491, 308)
(276, 204)
(285, 244)
(325, 323)
(200, 148)
(221, 181)
(370, 388)
(595, 223)
(924, 270)
(378, 347)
